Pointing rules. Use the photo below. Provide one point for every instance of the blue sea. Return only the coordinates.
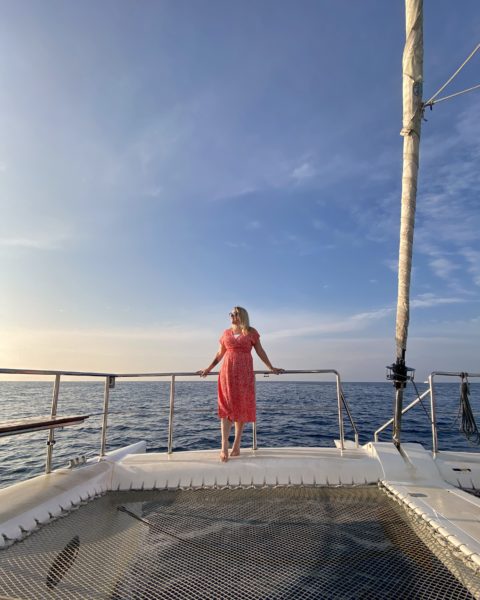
(288, 414)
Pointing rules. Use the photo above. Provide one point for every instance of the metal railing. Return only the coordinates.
(110, 379)
(430, 391)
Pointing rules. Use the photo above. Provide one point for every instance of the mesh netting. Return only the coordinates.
(348, 543)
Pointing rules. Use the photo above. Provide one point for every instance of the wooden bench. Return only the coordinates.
(38, 424)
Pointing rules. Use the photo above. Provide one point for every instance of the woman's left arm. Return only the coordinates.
(264, 358)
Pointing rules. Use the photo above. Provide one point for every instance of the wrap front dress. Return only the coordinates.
(236, 382)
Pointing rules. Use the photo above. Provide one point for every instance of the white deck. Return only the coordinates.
(266, 466)
(418, 481)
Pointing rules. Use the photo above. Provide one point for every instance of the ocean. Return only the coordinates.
(288, 414)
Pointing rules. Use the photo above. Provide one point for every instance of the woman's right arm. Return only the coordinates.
(215, 361)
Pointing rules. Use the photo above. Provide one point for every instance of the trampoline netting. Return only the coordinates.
(282, 542)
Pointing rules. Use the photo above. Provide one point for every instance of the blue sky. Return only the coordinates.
(161, 162)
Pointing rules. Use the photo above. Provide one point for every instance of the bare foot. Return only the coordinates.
(235, 452)
(224, 455)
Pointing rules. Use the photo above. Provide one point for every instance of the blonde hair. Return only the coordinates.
(243, 318)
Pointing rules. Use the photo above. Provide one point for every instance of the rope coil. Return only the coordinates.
(468, 424)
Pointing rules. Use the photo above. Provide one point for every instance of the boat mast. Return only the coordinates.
(412, 119)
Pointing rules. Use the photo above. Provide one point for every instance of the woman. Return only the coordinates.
(236, 383)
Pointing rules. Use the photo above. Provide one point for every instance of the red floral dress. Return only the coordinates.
(236, 382)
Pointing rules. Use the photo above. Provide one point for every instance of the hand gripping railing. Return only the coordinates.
(430, 391)
(110, 384)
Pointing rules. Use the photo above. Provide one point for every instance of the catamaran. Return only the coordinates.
(381, 520)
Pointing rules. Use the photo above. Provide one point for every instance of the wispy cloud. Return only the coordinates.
(379, 217)
(152, 349)
(473, 259)
(443, 267)
(429, 300)
(391, 264)
(448, 219)
(308, 325)
(303, 172)
(448, 202)
(36, 242)
(188, 347)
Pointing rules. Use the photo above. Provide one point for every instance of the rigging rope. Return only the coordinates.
(468, 426)
(432, 99)
(430, 104)
(420, 399)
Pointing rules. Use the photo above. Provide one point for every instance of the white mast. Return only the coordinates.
(412, 119)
